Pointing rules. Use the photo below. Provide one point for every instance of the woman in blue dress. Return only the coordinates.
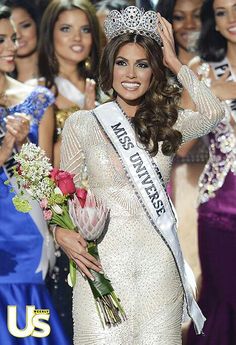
(25, 246)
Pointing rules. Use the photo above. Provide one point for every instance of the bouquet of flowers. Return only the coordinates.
(72, 208)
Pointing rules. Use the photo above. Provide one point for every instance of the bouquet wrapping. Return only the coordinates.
(72, 208)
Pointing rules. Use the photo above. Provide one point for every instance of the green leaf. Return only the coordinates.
(7, 182)
(73, 272)
(21, 205)
(101, 286)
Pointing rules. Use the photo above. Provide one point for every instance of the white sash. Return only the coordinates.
(219, 69)
(148, 184)
(70, 91)
(48, 258)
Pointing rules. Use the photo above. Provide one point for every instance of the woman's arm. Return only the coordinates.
(72, 160)
(6, 147)
(209, 110)
(16, 134)
(46, 132)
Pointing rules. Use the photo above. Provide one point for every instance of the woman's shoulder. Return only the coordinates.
(81, 118)
(42, 95)
(22, 94)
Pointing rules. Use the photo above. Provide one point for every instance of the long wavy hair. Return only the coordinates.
(48, 64)
(158, 109)
(212, 45)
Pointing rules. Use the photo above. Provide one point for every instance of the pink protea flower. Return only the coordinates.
(90, 219)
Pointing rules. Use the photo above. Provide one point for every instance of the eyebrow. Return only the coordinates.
(12, 35)
(71, 25)
(25, 20)
(223, 8)
(139, 60)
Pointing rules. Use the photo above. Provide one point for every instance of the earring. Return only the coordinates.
(216, 28)
(88, 64)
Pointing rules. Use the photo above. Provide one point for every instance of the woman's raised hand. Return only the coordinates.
(170, 58)
(75, 248)
(90, 94)
(18, 126)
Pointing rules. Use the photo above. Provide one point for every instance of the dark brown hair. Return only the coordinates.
(158, 110)
(48, 64)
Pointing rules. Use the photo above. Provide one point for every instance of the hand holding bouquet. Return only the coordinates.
(74, 209)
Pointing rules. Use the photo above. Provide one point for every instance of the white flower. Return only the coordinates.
(57, 209)
(58, 191)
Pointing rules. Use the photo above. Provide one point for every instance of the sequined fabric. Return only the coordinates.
(62, 115)
(222, 151)
(136, 259)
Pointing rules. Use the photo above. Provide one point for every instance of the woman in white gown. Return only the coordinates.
(140, 252)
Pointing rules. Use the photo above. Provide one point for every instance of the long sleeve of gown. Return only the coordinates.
(209, 110)
(72, 156)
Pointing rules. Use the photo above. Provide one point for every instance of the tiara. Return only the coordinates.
(132, 20)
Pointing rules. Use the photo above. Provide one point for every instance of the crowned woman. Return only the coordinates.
(127, 146)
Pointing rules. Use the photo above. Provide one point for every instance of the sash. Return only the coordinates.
(47, 255)
(70, 91)
(148, 184)
(219, 68)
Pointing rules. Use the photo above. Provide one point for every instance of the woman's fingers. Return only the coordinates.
(11, 130)
(164, 28)
(73, 244)
(84, 269)
(90, 94)
(87, 259)
(88, 263)
(18, 126)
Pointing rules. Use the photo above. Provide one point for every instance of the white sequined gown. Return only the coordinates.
(136, 259)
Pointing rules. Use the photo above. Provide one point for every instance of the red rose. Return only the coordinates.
(63, 180)
(81, 195)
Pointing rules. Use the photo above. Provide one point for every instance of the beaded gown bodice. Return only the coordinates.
(136, 259)
(218, 180)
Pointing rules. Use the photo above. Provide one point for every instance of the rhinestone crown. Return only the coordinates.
(132, 20)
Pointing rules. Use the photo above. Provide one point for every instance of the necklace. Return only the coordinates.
(130, 119)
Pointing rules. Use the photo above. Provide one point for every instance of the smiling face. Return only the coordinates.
(225, 17)
(72, 37)
(8, 46)
(26, 32)
(131, 74)
(186, 21)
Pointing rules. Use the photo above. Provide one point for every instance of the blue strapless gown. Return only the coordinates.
(20, 248)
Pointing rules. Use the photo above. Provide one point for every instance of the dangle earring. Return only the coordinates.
(88, 64)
